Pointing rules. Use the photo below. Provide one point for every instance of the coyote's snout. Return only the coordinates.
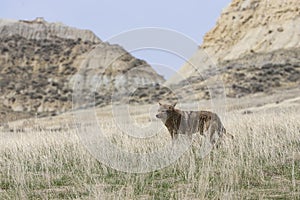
(188, 122)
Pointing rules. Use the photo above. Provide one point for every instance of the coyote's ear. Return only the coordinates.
(174, 104)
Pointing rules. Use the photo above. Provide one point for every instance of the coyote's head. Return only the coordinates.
(165, 111)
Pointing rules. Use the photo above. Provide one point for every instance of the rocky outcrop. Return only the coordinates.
(110, 74)
(39, 29)
(245, 28)
(254, 47)
(40, 63)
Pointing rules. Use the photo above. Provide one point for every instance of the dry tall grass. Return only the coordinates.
(263, 161)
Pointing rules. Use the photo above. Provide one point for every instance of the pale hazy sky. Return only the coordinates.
(107, 18)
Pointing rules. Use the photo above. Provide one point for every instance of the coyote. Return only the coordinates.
(177, 122)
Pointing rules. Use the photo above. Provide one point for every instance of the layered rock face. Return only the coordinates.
(251, 26)
(251, 38)
(39, 29)
(40, 63)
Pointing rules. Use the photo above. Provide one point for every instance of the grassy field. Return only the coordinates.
(262, 162)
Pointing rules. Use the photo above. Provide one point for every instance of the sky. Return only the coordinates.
(110, 18)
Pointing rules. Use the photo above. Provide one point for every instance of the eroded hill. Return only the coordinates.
(39, 62)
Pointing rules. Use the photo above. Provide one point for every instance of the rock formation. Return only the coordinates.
(40, 63)
(40, 29)
(257, 41)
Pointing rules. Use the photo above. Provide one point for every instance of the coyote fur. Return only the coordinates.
(177, 122)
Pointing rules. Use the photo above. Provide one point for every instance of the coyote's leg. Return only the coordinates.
(213, 134)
